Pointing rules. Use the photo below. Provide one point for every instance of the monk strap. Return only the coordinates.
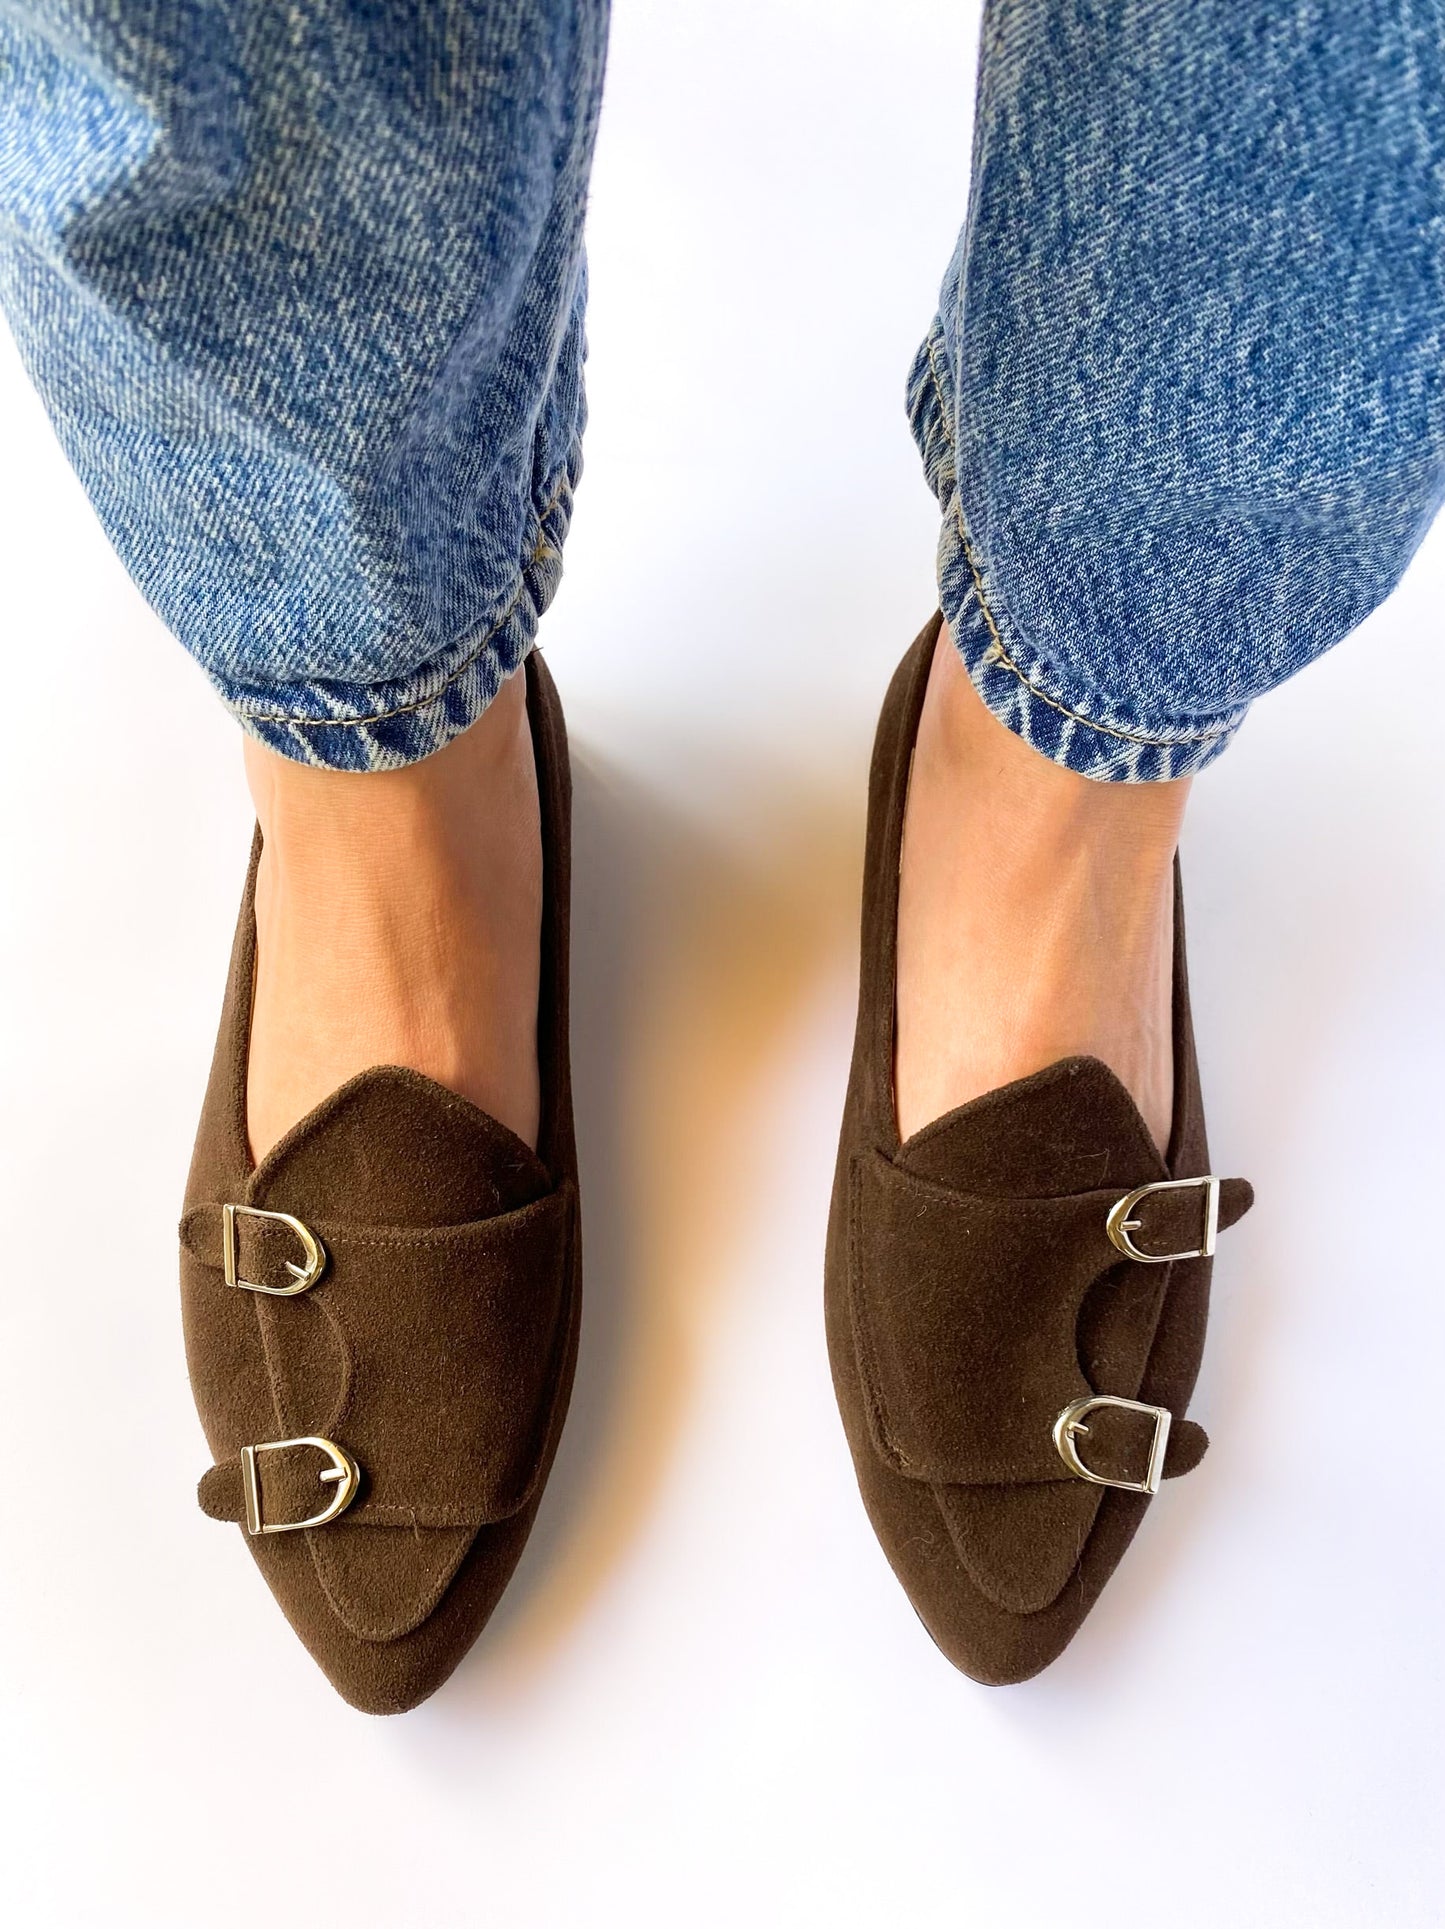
(265, 1224)
(342, 1473)
(1121, 1221)
(1073, 1421)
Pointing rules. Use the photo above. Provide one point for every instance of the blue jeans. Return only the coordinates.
(303, 291)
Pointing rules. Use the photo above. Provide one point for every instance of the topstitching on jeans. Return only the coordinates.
(539, 549)
(997, 652)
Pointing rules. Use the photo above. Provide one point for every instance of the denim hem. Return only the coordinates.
(1071, 727)
(361, 727)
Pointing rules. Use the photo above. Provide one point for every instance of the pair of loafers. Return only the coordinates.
(381, 1317)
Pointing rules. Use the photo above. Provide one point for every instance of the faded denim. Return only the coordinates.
(1184, 400)
(302, 288)
(303, 291)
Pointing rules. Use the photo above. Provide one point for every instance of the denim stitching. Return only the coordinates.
(950, 434)
(997, 653)
(540, 548)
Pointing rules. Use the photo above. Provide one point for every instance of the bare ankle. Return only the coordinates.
(1032, 804)
(1035, 914)
(424, 887)
(305, 808)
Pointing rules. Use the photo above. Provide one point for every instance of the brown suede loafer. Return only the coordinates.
(1016, 1301)
(381, 1324)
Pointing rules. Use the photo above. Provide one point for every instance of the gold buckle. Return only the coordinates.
(1119, 1224)
(1071, 1422)
(343, 1471)
(304, 1276)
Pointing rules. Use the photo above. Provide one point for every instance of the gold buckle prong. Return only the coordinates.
(305, 1276)
(1120, 1224)
(1070, 1424)
(343, 1471)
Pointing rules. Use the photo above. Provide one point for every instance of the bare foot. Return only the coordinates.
(398, 922)
(1035, 915)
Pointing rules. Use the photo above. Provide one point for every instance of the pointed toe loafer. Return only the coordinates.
(381, 1325)
(1016, 1302)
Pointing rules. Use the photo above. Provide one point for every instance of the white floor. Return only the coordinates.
(706, 1701)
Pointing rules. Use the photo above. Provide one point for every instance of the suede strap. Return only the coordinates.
(966, 1314)
(429, 1354)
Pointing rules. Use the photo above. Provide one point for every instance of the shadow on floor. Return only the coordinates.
(692, 953)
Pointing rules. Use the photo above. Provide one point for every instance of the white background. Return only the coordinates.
(705, 1700)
